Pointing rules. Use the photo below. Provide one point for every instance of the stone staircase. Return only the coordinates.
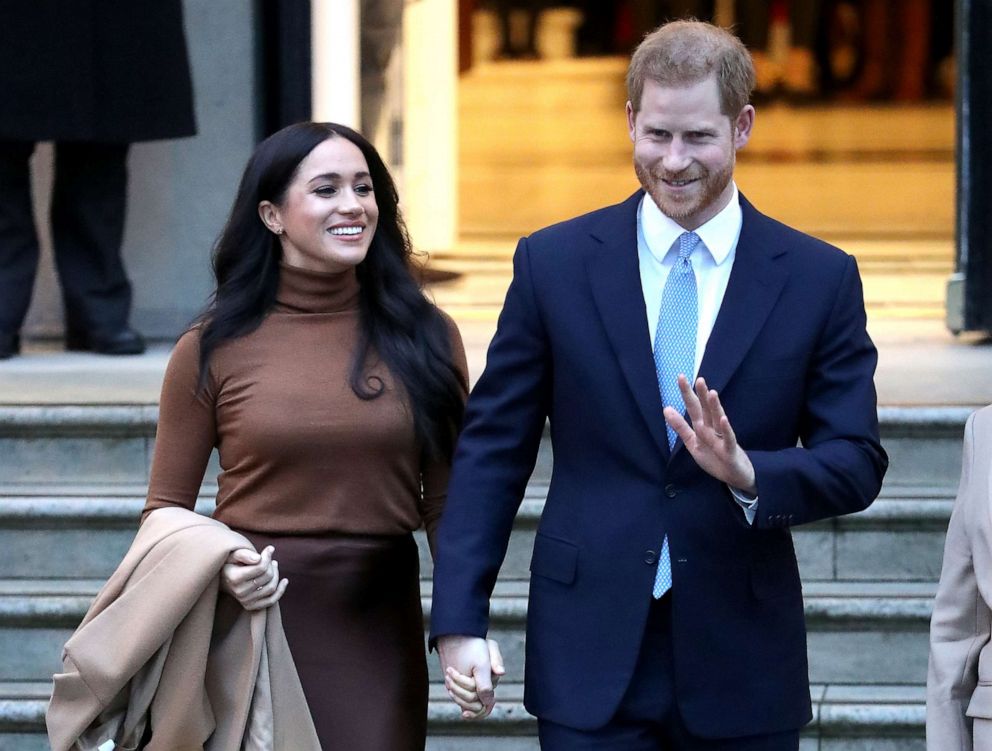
(72, 484)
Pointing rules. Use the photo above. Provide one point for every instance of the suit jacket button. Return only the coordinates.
(671, 491)
(650, 557)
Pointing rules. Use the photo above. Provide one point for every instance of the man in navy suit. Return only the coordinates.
(708, 380)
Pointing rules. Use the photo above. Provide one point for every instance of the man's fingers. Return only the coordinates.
(719, 421)
(729, 436)
(496, 658)
(708, 406)
(679, 425)
(691, 399)
(705, 396)
(484, 685)
(714, 410)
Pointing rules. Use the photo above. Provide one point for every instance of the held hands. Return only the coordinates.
(252, 579)
(472, 667)
(710, 439)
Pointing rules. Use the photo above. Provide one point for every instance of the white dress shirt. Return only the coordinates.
(712, 262)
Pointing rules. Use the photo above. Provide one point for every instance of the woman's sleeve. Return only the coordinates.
(961, 620)
(187, 430)
(434, 472)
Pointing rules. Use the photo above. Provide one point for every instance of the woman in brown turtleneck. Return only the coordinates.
(333, 391)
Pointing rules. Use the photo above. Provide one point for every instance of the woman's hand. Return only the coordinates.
(252, 579)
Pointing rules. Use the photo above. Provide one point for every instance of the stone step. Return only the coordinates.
(899, 538)
(859, 632)
(107, 444)
(845, 718)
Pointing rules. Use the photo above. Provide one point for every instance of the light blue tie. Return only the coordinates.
(674, 353)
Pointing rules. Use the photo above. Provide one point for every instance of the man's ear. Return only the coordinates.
(631, 115)
(269, 213)
(743, 125)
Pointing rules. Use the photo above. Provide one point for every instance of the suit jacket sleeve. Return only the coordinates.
(496, 453)
(840, 465)
(961, 618)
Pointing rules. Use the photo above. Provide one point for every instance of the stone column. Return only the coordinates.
(430, 128)
(336, 65)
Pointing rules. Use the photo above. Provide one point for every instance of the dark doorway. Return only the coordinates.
(969, 295)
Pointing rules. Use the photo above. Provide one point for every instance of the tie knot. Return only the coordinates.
(687, 243)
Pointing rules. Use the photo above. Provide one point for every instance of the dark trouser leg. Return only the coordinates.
(681, 740)
(18, 239)
(88, 206)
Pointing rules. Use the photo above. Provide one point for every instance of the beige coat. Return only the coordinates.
(959, 683)
(159, 648)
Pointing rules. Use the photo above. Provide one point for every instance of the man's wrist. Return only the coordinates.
(747, 482)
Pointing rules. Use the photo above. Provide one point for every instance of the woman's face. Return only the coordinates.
(328, 216)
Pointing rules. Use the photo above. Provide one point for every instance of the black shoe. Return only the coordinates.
(126, 341)
(10, 345)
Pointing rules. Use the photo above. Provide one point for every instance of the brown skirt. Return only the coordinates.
(353, 621)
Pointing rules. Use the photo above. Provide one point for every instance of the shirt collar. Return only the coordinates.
(719, 234)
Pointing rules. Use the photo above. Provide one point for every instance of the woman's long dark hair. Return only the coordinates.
(398, 323)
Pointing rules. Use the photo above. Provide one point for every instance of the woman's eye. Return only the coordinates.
(363, 190)
(326, 190)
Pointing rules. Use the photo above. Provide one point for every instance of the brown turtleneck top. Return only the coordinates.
(300, 453)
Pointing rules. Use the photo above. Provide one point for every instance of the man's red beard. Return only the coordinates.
(711, 186)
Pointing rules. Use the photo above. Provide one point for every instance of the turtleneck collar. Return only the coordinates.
(305, 291)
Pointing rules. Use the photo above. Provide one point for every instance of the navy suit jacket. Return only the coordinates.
(792, 362)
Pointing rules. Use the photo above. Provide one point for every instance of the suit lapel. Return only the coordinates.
(615, 279)
(755, 284)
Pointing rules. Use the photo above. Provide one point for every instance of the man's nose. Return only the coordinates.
(676, 157)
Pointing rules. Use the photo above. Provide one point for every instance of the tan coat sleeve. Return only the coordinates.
(961, 621)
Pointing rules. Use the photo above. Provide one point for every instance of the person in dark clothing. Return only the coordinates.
(93, 78)
(511, 48)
